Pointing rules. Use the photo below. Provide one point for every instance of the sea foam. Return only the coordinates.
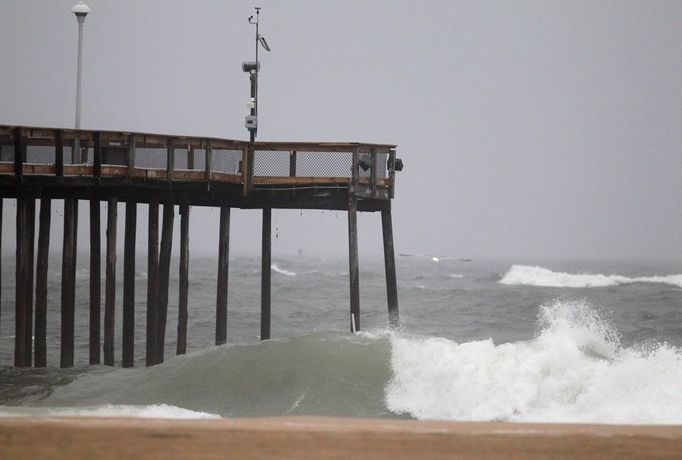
(575, 370)
(539, 276)
(108, 410)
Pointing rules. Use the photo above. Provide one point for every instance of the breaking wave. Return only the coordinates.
(575, 370)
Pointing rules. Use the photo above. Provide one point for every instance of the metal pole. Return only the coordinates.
(77, 142)
(81, 20)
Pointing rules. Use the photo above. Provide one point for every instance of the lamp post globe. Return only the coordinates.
(81, 10)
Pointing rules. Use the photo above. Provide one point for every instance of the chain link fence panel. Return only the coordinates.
(227, 161)
(151, 158)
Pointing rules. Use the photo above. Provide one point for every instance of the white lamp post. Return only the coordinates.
(81, 10)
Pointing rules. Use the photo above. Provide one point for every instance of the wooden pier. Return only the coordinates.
(164, 172)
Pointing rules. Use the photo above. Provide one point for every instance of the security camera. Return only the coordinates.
(250, 66)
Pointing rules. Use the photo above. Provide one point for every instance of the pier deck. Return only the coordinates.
(184, 171)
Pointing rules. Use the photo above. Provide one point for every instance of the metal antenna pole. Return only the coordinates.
(255, 92)
(252, 68)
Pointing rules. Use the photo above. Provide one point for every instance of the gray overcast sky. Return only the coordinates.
(528, 128)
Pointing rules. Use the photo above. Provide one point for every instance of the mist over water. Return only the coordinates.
(487, 340)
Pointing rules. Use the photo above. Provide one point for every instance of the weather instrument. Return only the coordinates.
(252, 68)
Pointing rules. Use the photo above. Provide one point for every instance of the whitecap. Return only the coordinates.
(538, 276)
(281, 271)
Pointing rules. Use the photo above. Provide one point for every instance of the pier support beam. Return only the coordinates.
(389, 263)
(164, 277)
(128, 340)
(152, 282)
(41, 283)
(353, 270)
(183, 275)
(223, 268)
(266, 275)
(23, 336)
(1, 201)
(95, 278)
(110, 289)
(69, 250)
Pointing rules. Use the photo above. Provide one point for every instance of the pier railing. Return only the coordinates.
(366, 169)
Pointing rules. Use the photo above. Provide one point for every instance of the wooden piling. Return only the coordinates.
(128, 339)
(41, 283)
(353, 270)
(164, 277)
(69, 249)
(29, 284)
(95, 274)
(152, 282)
(266, 275)
(223, 269)
(24, 267)
(181, 348)
(389, 264)
(110, 289)
(1, 204)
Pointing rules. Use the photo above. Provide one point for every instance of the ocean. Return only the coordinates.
(502, 340)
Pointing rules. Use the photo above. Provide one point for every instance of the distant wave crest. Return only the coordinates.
(282, 271)
(538, 276)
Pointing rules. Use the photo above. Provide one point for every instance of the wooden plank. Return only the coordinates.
(184, 279)
(95, 282)
(110, 290)
(373, 173)
(118, 171)
(225, 178)
(131, 156)
(223, 269)
(46, 170)
(78, 170)
(189, 175)
(292, 164)
(209, 161)
(391, 174)
(128, 345)
(266, 273)
(353, 271)
(152, 283)
(97, 156)
(59, 153)
(19, 154)
(190, 157)
(389, 265)
(41, 283)
(69, 250)
(170, 161)
(164, 276)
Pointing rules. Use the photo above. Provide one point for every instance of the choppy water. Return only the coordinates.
(494, 340)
